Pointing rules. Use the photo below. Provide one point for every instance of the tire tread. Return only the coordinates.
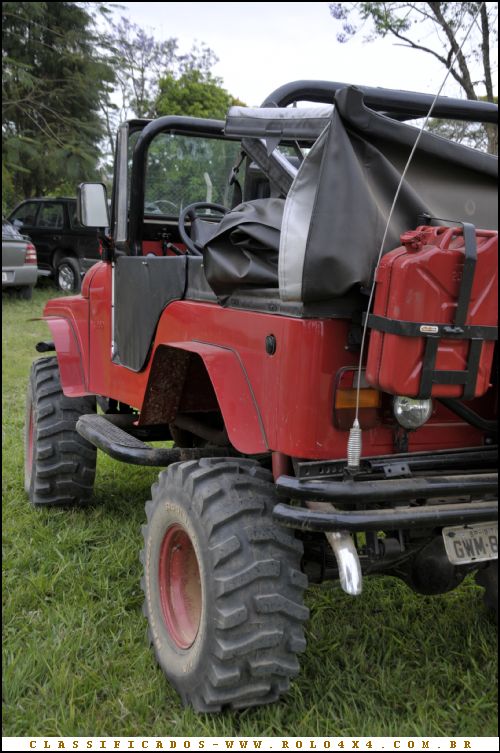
(64, 464)
(258, 611)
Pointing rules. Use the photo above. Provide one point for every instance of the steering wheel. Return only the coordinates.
(190, 213)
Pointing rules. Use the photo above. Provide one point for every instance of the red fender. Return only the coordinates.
(234, 393)
(69, 356)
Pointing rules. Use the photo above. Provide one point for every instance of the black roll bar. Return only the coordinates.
(398, 104)
(402, 105)
(170, 124)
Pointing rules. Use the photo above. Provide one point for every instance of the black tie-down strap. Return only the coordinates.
(434, 333)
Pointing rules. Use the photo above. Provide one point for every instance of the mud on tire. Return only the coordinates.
(59, 465)
(223, 587)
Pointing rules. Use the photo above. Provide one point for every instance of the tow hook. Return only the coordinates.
(351, 578)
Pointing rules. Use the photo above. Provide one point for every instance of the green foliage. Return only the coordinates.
(60, 76)
(194, 93)
(155, 78)
(138, 60)
(53, 80)
(8, 195)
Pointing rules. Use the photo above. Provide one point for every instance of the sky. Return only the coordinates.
(261, 46)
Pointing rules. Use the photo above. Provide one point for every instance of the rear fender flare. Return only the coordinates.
(234, 393)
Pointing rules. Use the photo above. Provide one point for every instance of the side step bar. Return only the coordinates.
(121, 445)
(106, 433)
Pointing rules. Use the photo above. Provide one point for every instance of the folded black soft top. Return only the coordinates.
(337, 207)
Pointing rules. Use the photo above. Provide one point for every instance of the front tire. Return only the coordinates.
(223, 587)
(68, 275)
(59, 465)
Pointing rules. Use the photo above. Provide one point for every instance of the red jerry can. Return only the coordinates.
(435, 314)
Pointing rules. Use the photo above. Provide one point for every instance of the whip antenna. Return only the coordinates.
(354, 444)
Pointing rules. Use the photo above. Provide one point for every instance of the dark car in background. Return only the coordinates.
(19, 262)
(65, 248)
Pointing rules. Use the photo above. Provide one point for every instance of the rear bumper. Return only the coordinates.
(373, 500)
(425, 516)
(19, 276)
(389, 490)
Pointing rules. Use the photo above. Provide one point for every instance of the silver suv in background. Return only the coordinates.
(19, 261)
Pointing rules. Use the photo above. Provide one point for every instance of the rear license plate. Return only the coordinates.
(473, 543)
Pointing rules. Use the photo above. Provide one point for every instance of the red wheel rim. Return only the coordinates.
(180, 586)
(29, 448)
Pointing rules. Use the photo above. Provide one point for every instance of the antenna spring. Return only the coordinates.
(354, 446)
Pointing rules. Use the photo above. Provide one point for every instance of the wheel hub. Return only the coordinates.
(180, 586)
(66, 278)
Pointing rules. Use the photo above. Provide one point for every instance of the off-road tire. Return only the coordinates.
(251, 610)
(68, 268)
(59, 467)
(488, 578)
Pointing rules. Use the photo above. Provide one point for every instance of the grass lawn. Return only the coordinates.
(76, 660)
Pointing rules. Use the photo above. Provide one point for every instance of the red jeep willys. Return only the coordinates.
(331, 413)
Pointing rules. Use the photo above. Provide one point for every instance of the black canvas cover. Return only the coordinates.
(338, 205)
(332, 223)
(243, 247)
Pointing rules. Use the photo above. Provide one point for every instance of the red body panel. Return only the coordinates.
(423, 286)
(282, 402)
(69, 355)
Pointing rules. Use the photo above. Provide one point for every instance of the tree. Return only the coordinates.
(195, 93)
(140, 61)
(53, 81)
(409, 23)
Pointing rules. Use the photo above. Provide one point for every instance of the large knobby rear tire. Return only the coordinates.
(488, 578)
(223, 587)
(59, 465)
